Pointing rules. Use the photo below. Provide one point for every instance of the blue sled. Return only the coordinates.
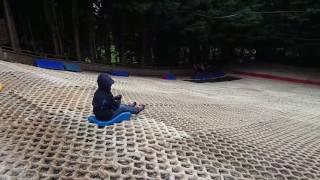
(118, 119)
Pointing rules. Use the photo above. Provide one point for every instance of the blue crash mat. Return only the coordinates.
(169, 76)
(118, 119)
(210, 75)
(118, 73)
(49, 64)
(72, 67)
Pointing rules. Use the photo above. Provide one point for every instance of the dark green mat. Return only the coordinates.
(213, 80)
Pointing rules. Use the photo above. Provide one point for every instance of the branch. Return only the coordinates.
(251, 12)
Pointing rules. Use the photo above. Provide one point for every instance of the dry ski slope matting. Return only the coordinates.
(245, 129)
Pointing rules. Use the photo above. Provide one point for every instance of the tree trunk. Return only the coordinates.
(33, 45)
(75, 21)
(14, 40)
(48, 12)
(194, 54)
(228, 56)
(122, 39)
(92, 33)
(92, 43)
(107, 29)
(107, 43)
(145, 47)
(48, 16)
(60, 30)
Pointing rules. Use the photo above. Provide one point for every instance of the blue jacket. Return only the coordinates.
(104, 104)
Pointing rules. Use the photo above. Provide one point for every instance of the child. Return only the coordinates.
(105, 105)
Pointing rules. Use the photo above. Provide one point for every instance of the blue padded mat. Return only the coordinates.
(49, 64)
(211, 75)
(169, 76)
(118, 119)
(72, 67)
(118, 73)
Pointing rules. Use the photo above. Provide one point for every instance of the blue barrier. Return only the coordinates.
(169, 76)
(118, 119)
(72, 67)
(211, 75)
(118, 73)
(49, 64)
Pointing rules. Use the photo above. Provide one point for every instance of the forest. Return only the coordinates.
(166, 32)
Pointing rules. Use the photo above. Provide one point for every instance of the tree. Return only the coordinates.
(75, 23)
(168, 32)
(54, 24)
(14, 40)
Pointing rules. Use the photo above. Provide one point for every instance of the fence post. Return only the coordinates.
(3, 54)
